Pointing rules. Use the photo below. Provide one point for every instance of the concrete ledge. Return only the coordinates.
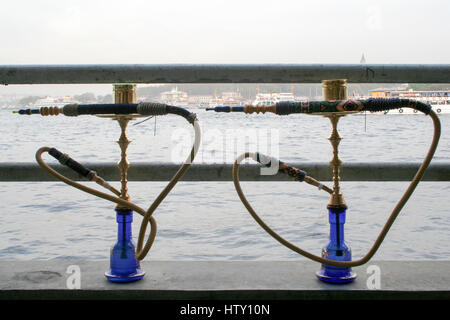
(223, 280)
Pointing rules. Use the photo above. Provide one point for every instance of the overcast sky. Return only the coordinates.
(172, 31)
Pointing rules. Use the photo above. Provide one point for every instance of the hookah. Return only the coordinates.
(336, 259)
(125, 256)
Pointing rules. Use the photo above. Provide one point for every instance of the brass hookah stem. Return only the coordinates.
(337, 199)
(335, 90)
(124, 164)
(124, 93)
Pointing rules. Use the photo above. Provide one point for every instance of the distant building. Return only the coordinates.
(232, 98)
(174, 97)
(181, 98)
(202, 100)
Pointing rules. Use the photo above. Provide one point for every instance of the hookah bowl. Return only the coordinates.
(337, 250)
(124, 267)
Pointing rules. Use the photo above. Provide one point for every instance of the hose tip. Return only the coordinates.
(15, 111)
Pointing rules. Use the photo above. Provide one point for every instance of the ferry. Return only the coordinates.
(267, 99)
(181, 98)
(438, 99)
(53, 102)
(44, 102)
(228, 98)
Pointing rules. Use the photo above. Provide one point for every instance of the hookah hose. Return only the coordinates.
(144, 108)
(333, 106)
(340, 106)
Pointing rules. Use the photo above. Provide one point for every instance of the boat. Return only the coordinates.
(438, 99)
(267, 99)
(53, 102)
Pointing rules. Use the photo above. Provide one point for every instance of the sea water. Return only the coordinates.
(206, 220)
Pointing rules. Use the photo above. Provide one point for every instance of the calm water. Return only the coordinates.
(206, 220)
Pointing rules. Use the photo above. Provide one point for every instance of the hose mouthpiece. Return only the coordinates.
(226, 109)
(44, 111)
(27, 111)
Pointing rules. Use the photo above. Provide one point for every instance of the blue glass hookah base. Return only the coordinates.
(342, 276)
(124, 267)
(337, 250)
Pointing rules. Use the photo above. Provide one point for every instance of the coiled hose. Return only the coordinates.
(379, 105)
(147, 109)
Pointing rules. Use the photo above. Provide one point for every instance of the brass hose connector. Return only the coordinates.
(249, 109)
(50, 111)
(314, 182)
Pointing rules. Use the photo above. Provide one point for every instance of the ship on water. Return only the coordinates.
(267, 99)
(45, 102)
(438, 99)
(54, 102)
(181, 98)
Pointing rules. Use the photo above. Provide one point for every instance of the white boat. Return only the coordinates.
(438, 99)
(267, 99)
(438, 108)
(53, 102)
